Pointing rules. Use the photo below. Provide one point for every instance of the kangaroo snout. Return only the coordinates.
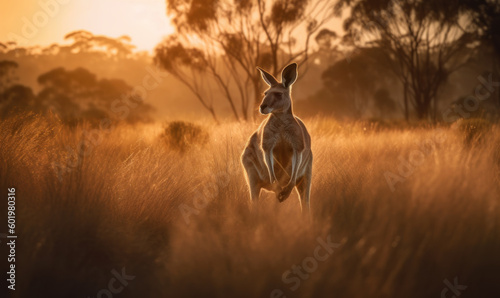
(264, 109)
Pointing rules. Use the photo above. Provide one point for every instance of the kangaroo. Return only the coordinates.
(278, 156)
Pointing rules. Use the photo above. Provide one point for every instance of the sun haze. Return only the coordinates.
(144, 21)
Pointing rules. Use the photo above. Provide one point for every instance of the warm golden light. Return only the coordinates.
(47, 21)
(255, 148)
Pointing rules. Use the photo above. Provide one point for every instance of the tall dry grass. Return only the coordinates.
(123, 204)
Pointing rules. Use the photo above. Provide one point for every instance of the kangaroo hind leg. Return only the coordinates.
(253, 178)
(304, 191)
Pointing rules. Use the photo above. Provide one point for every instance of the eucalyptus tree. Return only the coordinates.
(427, 39)
(220, 43)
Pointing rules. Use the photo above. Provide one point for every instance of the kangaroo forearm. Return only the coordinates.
(270, 165)
(296, 162)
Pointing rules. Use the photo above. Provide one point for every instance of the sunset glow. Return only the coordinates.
(250, 148)
(144, 21)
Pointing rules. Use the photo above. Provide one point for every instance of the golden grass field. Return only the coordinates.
(122, 203)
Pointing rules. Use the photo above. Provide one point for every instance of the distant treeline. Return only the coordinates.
(397, 60)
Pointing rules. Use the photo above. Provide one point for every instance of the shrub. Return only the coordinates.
(473, 129)
(182, 136)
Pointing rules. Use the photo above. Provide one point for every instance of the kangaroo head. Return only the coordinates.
(277, 98)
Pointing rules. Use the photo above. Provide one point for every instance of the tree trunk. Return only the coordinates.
(407, 114)
(434, 110)
(423, 110)
(212, 112)
(496, 78)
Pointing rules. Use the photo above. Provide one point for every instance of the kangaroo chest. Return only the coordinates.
(285, 132)
(282, 136)
(282, 154)
(283, 149)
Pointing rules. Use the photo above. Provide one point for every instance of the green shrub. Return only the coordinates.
(182, 136)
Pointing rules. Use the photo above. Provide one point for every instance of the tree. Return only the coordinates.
(384, 102)
(7, 76)
(77, 95)
(328, 50)
(189, 66)
(352, 82)
(84, 41)
(220, 42)
(485, 17)
(16, 98)
(425, 37)
(13, 97)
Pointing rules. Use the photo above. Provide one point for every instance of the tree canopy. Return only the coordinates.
(220, 42)
(426, 38)
(75, 96)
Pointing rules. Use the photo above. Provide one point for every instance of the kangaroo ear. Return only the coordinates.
(289, 75)
(268, 78)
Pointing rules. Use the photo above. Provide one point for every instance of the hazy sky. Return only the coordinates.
(43, 22)
(145, 21)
